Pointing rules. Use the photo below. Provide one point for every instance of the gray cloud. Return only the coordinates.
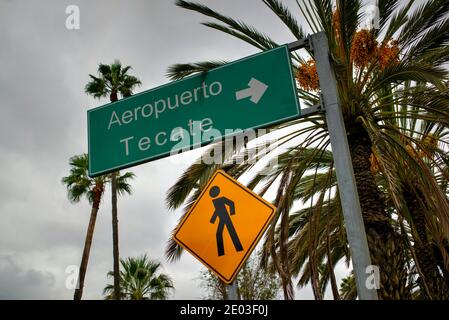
(18, 283)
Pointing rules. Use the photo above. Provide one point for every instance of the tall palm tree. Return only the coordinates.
(140, 279)
(426, 241)
(113, 79)
(320, 225)
(79, 185)
(381, 76)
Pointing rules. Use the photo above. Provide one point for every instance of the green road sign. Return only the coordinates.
(254, 92)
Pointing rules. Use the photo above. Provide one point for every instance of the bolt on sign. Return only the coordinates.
(224, 225)
(251, 93)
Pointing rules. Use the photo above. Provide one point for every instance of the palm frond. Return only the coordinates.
(245, 30)
(286, 17)
(96, 87)
(123, 185)
(181, 70)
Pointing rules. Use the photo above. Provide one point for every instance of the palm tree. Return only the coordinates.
(425, 239)
(328, 237)
(140, 279)
(79, 184)
(113, 79)
(320, 225)
(382, 75)
(348, 290)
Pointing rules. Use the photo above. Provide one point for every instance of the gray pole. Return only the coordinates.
(232, 291)
(352, 213)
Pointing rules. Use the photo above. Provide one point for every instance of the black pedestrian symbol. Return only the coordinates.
(224, 219)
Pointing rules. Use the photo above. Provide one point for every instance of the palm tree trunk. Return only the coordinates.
(440, 262)
(385, 248)
(424, 252)
(87, 244)
(113, 97)
(115, 236)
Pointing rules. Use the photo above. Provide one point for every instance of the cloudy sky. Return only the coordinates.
(43, 108)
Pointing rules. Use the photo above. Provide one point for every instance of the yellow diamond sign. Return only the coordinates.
(224, 225)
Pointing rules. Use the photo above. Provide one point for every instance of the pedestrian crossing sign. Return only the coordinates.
(224, 225)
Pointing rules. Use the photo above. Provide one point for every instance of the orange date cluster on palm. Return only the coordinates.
(365, 50)
(388, 53)
(307, 76)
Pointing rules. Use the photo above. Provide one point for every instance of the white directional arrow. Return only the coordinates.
(255, 91)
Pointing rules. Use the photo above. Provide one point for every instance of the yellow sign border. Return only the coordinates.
(253, 244)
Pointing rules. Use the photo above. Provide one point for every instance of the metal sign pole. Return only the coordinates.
(232, 291)
(355, 229)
